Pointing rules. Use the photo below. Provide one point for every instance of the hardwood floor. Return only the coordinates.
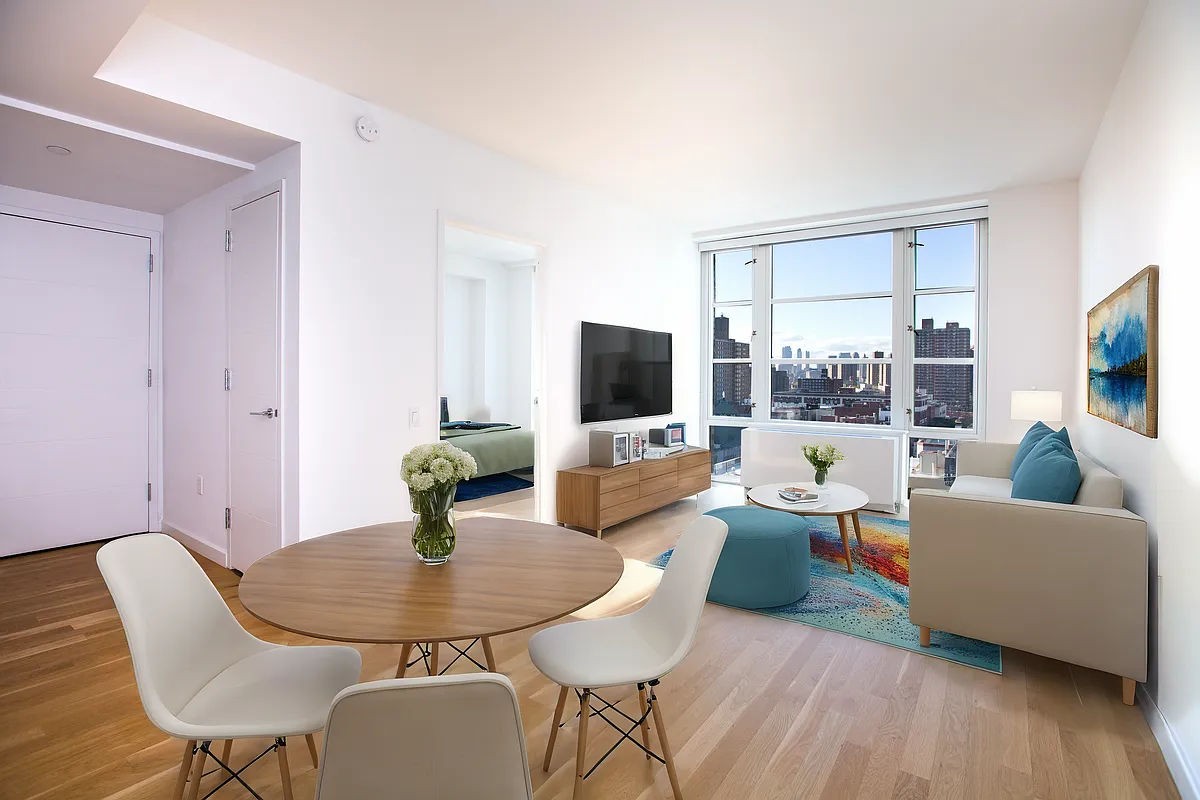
(762, 708)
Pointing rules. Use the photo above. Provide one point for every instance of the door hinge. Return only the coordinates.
(227, 519)
(228, 241)
(149, 493)
(149, 378)
(150, 260)
(227, 379)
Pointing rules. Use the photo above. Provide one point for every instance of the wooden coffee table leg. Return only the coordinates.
(857, 529)
(845, 541)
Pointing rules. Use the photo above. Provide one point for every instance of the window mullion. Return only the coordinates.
(760, 347)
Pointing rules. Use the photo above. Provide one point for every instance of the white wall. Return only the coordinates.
(1033, 253)
(488, 362)
(463, 345)
(368, 255)
(1139, 202)
(194, 353)
(520, 345)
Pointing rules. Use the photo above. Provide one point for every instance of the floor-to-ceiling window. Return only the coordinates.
(871, 326)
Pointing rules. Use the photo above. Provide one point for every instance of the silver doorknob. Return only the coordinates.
(270, 412)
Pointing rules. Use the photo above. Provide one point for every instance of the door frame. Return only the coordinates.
(284, 413)
(154, 435)
(446, 219)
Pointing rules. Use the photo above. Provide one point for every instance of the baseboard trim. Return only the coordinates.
(1177, 761)
(192, 542)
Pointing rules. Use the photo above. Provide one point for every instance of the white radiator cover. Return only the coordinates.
(874, 462)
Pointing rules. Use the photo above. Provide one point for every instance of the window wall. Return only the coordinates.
(865, 327)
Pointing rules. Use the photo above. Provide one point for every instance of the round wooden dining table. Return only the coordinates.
(367, 585)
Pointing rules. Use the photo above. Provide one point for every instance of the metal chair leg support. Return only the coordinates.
(205, 749)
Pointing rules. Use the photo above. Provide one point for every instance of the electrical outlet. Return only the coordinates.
(199, 484)
(414, 417)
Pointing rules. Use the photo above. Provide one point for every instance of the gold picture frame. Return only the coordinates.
(1122, 355)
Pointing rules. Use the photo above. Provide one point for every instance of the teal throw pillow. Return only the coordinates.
(1049, 473)
(1035, 434)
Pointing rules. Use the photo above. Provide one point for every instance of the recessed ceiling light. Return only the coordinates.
(58, 150)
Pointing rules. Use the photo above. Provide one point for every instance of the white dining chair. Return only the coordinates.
(201, 676)
(450, 736)
(634, 649)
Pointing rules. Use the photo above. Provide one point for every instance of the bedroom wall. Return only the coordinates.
(463, 346)
(483, 366)
(368, 276)
(1139, 199)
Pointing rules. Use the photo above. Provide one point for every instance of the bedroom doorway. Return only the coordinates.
(486, 366)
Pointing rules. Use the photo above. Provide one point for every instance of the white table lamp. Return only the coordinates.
(1036, 404)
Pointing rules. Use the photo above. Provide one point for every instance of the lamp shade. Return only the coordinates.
(1036, 404)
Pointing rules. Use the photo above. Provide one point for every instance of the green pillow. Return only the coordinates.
(1036, 432)
(1049, 473)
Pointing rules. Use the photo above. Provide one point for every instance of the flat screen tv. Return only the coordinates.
(623, 372)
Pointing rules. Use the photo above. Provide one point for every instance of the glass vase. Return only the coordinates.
(433, 523)
(822, 476)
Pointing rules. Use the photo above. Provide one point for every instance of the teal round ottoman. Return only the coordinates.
(765, 560)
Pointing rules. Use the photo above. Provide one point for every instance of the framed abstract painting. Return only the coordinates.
(1122, 385)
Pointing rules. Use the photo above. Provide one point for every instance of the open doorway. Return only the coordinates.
(486, 367)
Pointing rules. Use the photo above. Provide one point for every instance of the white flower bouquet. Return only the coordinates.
(432, 472)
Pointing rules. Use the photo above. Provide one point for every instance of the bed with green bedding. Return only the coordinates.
(505, 448)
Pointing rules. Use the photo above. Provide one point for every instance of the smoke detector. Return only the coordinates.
(367, 130)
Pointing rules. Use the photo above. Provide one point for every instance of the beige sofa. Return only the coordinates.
(1065, 581)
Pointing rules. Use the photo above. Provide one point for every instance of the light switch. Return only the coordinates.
(414, 417)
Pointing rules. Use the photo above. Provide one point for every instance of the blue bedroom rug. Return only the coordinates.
(489, 485)
(872, 603)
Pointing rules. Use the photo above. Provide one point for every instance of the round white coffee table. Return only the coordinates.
(836, 500)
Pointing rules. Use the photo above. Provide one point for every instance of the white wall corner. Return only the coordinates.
(196, 544)
(1181, 769)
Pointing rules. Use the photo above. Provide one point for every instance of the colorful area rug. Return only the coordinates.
(873, 602)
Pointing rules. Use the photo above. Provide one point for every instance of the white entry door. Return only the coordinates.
(74, 394)
(254, 392)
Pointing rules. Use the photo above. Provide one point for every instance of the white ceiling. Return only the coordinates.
(489, 248)
(723, 113)
(49, 53)
(102, 167)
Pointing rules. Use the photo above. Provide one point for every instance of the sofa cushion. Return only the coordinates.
(1037, 431)
(981, 486)
(1049, 473)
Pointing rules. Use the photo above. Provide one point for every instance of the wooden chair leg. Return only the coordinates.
(405, 652)
(558, 712)
(433, 658)
(585, 711)
(666, 746)
(925, 633)
(488, 656)
(312, 748)
(1128, 691)
(285, 775)
(189, 752)
(645, 722)
(197, 772)
(226, 750)
(845, 542)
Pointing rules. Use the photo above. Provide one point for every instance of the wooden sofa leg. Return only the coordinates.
(924, 636)
(1128, 687)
